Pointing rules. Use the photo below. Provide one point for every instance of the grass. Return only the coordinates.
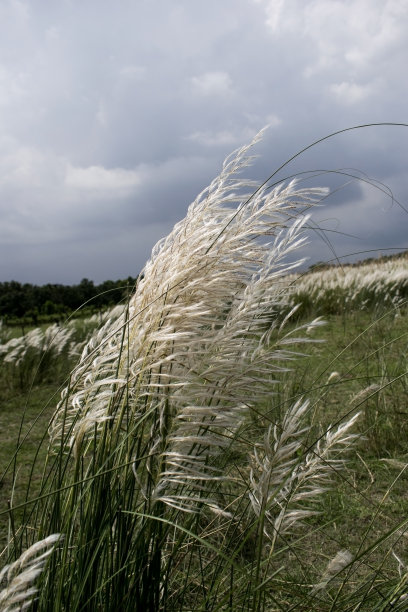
(364, 349)
(33, 409)
(197, 460)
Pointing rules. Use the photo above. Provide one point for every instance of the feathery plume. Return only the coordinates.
(342, 559)
(365, 393)
(18, 578)
(284, 481)
(192, 352)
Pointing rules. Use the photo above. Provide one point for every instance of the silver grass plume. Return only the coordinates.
(336, 565)
(17, 579)
(365, 393)
(194, 350)
(55, 339)
(285, 481)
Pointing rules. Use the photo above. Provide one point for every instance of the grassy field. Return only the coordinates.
(22, 414)
(212, 444)
(361, 364)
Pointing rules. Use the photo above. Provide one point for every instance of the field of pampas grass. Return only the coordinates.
(382, 285)
(196, 459)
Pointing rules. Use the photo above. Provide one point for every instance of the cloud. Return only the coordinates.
(222, 138)
(108, 133)
(358, 226)
(97, 181)
(343, 36)
(216, 83)
(275, 15)
(44, 197)
(350, 93)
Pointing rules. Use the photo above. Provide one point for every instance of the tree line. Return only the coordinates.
(53, 301)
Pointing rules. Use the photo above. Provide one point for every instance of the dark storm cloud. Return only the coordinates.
(113, 117)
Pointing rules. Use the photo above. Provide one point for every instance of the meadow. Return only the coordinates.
(233, 437)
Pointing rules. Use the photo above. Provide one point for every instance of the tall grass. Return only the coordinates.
(176, 478)
(46, 353)
(381, 285)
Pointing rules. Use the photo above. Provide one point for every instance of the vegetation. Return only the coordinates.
(209, 451)
(337, 289)
(26, 304)
(46, 354)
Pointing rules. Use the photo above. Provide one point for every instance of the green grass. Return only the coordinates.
(360, 510)
(370, 498)
(23, 416)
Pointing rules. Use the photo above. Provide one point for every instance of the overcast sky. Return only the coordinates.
(115, 115)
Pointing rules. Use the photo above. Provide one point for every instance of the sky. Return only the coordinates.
(115, 115)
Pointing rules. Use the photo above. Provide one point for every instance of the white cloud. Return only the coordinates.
(275, 14)
(230, 138)
(216, 83)
(273, 120)
(339, 35)
(96, 180)
(22, 166)
(350, 93)
(44, 197)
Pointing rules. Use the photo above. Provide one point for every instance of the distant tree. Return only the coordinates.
(49, 308)
(33, 314)
(30, 301)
